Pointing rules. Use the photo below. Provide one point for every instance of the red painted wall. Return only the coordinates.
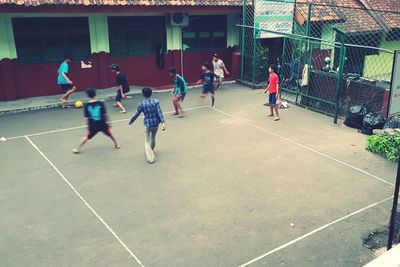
(27, 80)
(8, 89)
(143, 71)
(193, 60)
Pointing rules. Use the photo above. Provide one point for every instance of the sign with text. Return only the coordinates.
(394, 104)
(274, 16)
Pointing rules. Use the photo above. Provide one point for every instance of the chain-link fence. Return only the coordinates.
(329, 56)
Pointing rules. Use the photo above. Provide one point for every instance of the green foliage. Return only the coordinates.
(387, 146)
(262, 62)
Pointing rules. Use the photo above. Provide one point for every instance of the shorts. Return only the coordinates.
(118, 97)
(95, 129)
(208, 90)
(220, 78)
(272, 99)
(66, 87)
(179, 97)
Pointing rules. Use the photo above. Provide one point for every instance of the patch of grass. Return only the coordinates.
(387, 146)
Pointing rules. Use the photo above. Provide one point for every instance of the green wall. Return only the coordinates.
(7, 45)
(233, 30)
(379, 67)
(98, 28)
(174, 38)
(328, 34)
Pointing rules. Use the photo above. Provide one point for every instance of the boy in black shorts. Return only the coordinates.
(67, 86)
(123, 87)
(207, 78)
(98, 120)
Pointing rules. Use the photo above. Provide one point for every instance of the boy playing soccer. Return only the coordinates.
(67, 86)
(153, 117)
(274, 92)
(219, 69)
(207, 78)
(179, 92)
(98, 120)
(123, 87)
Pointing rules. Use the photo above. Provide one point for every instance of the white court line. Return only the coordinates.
(84, 126)
(306, 147)
(312, 232)
(86, 203)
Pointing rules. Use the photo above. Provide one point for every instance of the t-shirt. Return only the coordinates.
(62, 69)
(123, 81)
(219, 68)
(208, 80)
(95, 112)
(180, 84)
(273, 83)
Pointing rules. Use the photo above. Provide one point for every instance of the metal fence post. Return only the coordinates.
(255, 32)
(309, 59)
(243, 32)
(394, 209)
(283, 61)
(339, 81)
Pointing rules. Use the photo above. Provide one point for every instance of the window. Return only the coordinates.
(131, 36)
(40, 40)
(205, 32)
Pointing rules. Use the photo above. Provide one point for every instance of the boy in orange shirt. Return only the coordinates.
(274, 92)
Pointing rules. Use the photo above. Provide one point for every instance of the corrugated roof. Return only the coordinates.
(125, 2)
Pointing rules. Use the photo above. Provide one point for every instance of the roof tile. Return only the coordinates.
(392, 18)
(351, 14)
(125, 2)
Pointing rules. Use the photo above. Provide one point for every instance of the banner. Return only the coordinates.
(274, 16)
(394, 103)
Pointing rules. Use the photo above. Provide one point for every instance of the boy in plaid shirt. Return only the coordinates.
(153, 117)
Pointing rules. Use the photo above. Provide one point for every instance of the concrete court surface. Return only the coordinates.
(226, 186)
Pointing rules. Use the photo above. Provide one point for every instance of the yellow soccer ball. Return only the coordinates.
(78, 104)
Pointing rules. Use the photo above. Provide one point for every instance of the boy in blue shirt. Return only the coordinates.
(179, 92)
(207, 78)
(67, 86)
(153, 117)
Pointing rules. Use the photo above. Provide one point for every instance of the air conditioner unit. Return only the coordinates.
(179, 19)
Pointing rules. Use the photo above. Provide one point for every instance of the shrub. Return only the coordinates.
(387, 146)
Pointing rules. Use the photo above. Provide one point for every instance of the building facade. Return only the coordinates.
(144, 37)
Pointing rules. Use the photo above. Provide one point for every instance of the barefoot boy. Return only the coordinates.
(98, 120)
(220, 70)
(207, 78)
(179, 93)
(274, 92)
(153, 117)
(123, 87)
(67, 86)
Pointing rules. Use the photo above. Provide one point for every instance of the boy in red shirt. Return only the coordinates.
(274, 92)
